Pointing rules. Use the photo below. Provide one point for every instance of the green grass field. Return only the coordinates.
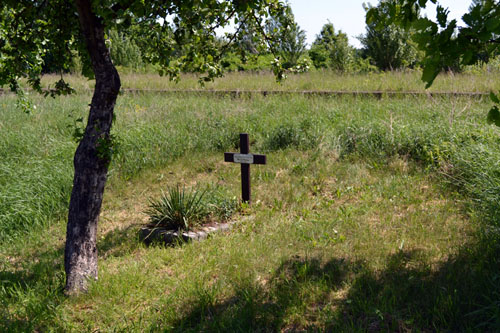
(371, 215)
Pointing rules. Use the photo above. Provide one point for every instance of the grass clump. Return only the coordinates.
(178, 209)
(183, 209)
(301, 135)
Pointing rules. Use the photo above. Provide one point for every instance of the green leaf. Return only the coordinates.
(468, 57)
(494, 116)
(492, 23)
(494, 98)
(422, 3)
(429, 74)
(423, 23)
(468, 19)
(484, 36)
(442, 16)
(370, 16)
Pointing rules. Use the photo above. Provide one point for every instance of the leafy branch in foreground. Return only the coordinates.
(494, 113)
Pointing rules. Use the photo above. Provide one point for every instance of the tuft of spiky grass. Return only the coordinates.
(178, 209)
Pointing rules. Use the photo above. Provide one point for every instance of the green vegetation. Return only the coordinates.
(183, 209)
(331, 50)
(443, 42)
(189, 43)
(124, 51)
(371, 214)
(390, 47)
(178, 209)
(288, 40)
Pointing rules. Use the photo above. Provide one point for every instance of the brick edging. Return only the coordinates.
(150, 235)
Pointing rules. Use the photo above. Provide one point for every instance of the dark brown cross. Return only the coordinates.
(245, 159)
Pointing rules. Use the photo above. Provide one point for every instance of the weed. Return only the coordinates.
(282, 137)
(220, 205)
(182, 209)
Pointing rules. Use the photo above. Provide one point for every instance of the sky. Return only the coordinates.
(349, 15)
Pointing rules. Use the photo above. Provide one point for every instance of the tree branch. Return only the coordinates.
(266, 37)
(119, 6)
(231, 40)
(212, 29)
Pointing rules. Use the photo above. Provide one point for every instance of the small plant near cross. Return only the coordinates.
(183, 209)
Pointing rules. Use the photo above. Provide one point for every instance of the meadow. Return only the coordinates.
(371, 214)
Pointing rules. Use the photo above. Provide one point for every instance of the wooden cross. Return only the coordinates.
(245, 159)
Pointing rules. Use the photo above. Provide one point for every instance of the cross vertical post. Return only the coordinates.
(245, 159)
(245, 168)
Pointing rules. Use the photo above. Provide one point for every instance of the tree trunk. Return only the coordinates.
(91, 158)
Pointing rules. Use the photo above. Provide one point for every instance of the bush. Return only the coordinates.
(124, 51)
(331, 49)
(389, 47)
(178, 209)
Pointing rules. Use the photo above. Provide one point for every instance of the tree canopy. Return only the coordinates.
(388, 46)
(29, 29)
(287, 38)
(442, 40)
(331, 49)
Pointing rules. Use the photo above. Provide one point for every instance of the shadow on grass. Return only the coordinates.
(255, 308)
(31, 291)
(118, 241)
(460, 294)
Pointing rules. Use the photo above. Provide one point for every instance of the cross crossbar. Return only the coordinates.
(244, 158)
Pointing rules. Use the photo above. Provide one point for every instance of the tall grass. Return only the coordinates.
(460, 145)
(35, 164)
(479, 81)
(37, 149)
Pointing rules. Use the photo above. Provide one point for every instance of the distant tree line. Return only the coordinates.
(383, 48)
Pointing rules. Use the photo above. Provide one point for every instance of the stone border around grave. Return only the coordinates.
(150, 235)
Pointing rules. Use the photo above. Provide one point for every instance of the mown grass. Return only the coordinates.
(479, 81)
(370, 215)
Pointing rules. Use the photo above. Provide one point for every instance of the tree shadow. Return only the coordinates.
(459, 294)
(31, 291)
(119, 241)
(262, 308)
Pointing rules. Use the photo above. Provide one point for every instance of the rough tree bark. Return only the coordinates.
(91, 158)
